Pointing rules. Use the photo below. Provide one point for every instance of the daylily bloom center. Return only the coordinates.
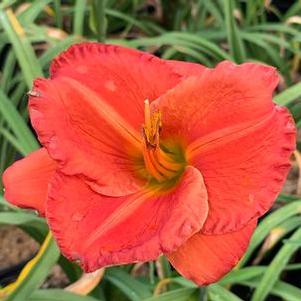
(161, 165)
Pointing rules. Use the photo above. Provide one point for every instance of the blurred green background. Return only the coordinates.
(32, 33)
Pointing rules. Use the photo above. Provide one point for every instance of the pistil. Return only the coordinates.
(159, 164)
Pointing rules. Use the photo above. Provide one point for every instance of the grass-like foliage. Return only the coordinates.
(32, 33)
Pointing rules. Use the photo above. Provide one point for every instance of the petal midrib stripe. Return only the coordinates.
(220, 137)
(105, 111)
(119, 215)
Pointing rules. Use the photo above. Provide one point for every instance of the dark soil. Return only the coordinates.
(16, 248)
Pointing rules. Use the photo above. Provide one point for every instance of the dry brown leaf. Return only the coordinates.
(86, 283)
(298, 160)
(269, 243)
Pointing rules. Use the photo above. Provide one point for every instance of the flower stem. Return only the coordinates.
(203, 294)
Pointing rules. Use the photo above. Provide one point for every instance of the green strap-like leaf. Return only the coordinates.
(58, 295)
(273, 271)
(281, 289)
(18, 125)
(288, 95)
(234, 40)
(24, 52)
(218, 293)
(32, 11)
(99, 18)
(182, 294)
(19, 218)
(132, 288)
(270, 222)
(79, 15)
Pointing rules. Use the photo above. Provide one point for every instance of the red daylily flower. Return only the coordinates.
(143, 156)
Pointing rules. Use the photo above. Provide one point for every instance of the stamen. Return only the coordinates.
(147, 115)
(152, 125)
(159, 164)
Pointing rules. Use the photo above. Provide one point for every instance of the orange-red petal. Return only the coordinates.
(100, 231)
(204, 259)
(90, 113)
(85, 135)
(234, 134)
(244, 171)
(26, 181)
(123, 77)
(225, 96)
